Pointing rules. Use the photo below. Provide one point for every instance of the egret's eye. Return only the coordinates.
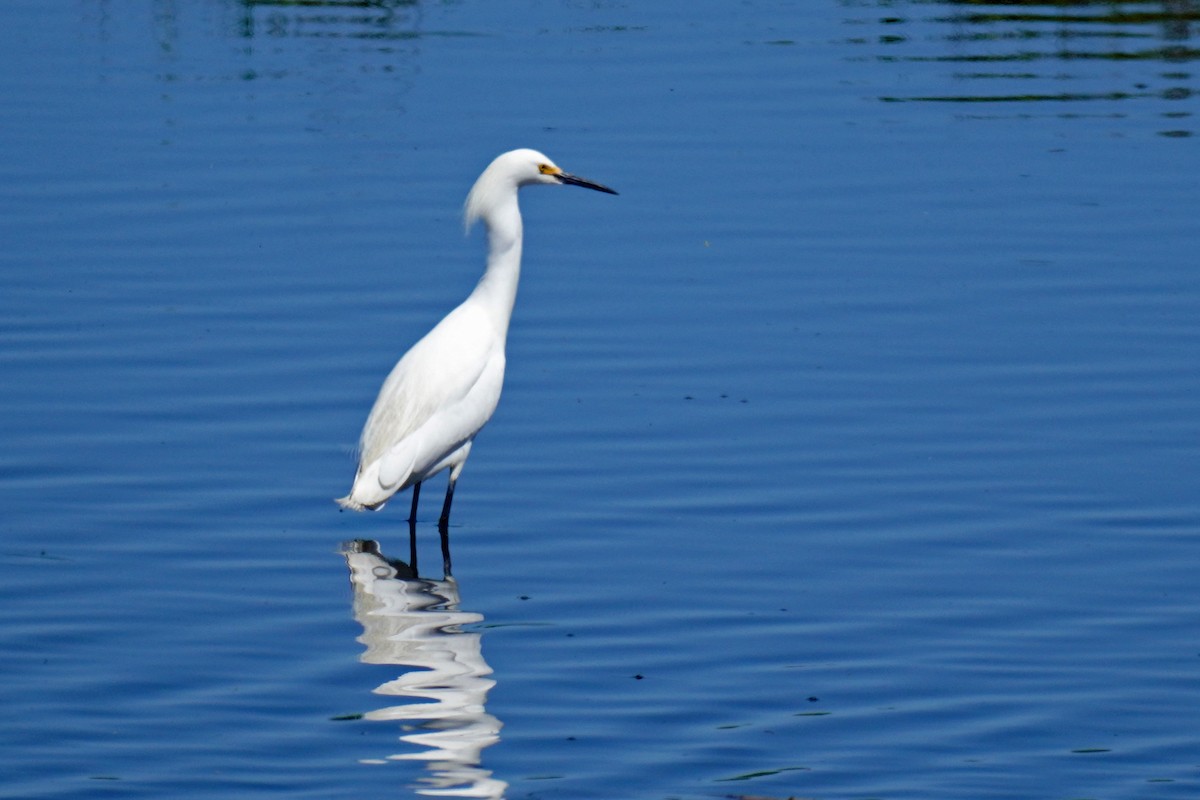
(546, 169)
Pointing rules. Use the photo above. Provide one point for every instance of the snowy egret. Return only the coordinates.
(445, 388)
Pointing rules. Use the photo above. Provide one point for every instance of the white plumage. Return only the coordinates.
(446, 387)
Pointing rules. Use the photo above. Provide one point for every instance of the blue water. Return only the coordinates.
(853, 451)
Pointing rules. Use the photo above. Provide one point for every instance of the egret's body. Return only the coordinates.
(446, 387)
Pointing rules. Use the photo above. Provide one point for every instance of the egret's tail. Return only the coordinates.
(349, 503)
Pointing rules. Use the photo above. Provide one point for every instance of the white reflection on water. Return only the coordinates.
(413, 622)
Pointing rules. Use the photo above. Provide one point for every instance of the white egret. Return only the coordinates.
(445, 388)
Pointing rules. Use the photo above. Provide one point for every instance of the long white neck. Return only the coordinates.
(497, 289)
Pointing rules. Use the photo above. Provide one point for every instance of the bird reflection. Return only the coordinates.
(413, 622)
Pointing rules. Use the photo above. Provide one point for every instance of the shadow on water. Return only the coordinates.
(1033, 51)
(416, 623)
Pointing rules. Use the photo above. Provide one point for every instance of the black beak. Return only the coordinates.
(573, 180)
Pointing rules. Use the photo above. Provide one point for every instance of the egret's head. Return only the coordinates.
(510, 171)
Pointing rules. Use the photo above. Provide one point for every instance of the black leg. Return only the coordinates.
(444, 521)
(445, 532)
(412, 547)
(444, 527)
(412, 515)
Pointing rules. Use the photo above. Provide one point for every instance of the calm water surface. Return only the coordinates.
(853, 451)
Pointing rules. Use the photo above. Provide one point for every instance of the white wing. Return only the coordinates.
(436, 399)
